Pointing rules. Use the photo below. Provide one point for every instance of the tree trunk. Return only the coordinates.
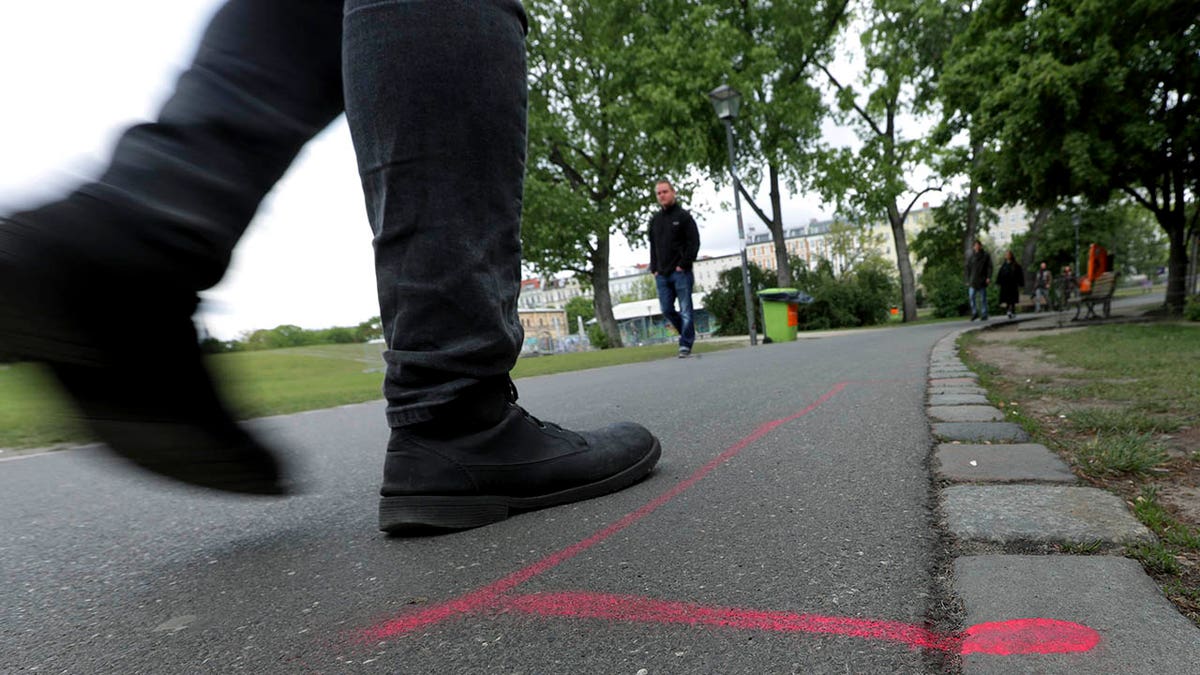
(1028, 253)
(601, 298)
(783, 271)
(908, 286)
(972, 209)
(1175, 224)
(1193, 274)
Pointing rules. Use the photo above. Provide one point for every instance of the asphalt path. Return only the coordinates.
(787, 528)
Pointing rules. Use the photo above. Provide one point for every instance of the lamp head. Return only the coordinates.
(726, 102)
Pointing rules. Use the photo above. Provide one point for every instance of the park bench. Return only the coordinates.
(1101, 294)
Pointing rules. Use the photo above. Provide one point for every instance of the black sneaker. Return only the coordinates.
(684, 352)
(124, 349)
(436, 479)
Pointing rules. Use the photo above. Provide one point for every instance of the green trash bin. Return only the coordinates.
(781, 312)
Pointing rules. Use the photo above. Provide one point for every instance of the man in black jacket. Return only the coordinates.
(674, 243)
(979, 277)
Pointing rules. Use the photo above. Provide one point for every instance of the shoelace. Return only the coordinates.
(512, 400)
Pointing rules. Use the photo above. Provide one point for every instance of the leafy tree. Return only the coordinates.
(339, 335)
(371, 329)
(774, 48)
(852, 244)
(861, 297)
(616, 88)
(1083, 98)
(579, 307)
(939, 248)
(1125, 229)
(726, 302)
(902, 46)
(644, 289)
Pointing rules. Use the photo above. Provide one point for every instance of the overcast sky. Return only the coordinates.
(76, 72)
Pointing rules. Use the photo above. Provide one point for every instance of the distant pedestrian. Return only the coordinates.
(674, 243)
(1041, 288)
(979, 277)
(1009, 279)
(1068, 284)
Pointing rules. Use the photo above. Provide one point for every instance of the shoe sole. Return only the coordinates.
(422, 513)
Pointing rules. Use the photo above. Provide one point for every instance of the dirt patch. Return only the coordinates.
(1016, 361)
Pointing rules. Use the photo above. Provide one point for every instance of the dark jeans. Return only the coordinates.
(435, 95)
(673, 286)
(978, 299)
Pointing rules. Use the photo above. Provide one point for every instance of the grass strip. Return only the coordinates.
(273, 382)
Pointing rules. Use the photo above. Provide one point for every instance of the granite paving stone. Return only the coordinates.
(1040, 513)
(957, 399)
(1139, 630)
(965, 413)
(1006, 432)
(1000, 463)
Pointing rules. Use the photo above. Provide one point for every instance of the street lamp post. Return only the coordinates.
(726, 100)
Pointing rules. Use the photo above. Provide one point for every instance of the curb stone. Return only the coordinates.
(1000, 463)
(1138, 629)
(1000, 432)
(964, 413)
(1053, 514)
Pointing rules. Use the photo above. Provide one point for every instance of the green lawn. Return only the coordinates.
(272, 382)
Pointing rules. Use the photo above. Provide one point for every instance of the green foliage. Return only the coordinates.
(597, 337)
(1191, 312)
(371, 329)
(287, 335)
(1119, 454)
(861, 297)
(1125, 229)
(615, 102)
(576, 308)
(211, 345)
(726, 301)
(644, 289)
(942, 244)
(1151, 512)
(1084, 98)
(902, 45)
(945, 291)
(1156, 558)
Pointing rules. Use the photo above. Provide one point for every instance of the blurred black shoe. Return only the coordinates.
(122, 344)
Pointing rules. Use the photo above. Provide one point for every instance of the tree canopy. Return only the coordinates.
(1084, 98)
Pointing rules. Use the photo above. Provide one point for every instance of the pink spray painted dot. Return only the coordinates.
(1028, 636)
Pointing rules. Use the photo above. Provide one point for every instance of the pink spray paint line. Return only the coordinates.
(1017, 636)
(489, 595)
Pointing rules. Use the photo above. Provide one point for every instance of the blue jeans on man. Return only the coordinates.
(678, 286)
(979, 306)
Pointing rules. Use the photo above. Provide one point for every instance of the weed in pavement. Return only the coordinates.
(1116, 454)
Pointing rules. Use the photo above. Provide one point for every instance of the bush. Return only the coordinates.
(597, 336)
(860, 298)
(947, 292)
(1191, 311)
(726, 302)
